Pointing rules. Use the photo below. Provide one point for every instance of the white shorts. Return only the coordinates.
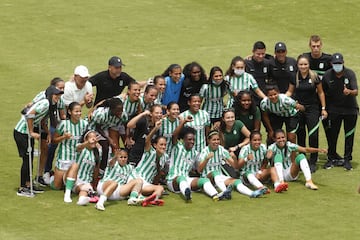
(287, 175)
(63, 165)
(120, 128)
(83, 186)
(223, 178)
(114, 196)
(170, 186)
(135, 176)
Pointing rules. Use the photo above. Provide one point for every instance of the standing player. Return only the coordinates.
(174, 79)
(111, 82)
(340, 87)
(169, 124)
(201, 121)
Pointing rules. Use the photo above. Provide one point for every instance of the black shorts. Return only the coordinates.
(22, 143)
(277, 122)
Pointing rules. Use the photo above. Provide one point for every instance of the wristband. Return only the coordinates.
(322, 108)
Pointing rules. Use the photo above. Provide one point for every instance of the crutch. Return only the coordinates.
(39, 155)
(29, 149)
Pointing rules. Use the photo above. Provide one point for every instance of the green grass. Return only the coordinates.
(44, 39)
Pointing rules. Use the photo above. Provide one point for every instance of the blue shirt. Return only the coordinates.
(172, 90)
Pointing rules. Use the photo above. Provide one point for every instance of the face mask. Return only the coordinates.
(239, 72)
(338, 67)
(216, 83)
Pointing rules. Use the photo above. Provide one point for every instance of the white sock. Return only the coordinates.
(279, 170)
(254, 181)
(83, 200)
(241, 188)
(220, 183)
(102, 199)
(67, 193)
(276, 184)
(183, 185)
(209, 189)
(304, 166)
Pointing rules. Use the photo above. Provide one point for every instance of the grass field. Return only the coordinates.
(43, 39)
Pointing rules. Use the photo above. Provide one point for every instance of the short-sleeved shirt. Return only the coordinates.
(147, 168)
(131, 108)
(143, 105)
(188, 88)
(200, 121)
(73, 94)
(306, 91)
(235, 136)
(319, 65)
(106, 87)
(284, 107)
(102, 117)
(117, 173)
(214, 163)
(172, 90)
(254, 165)
(336, 100)
(249, 119)
(284, 152)
(182, 161)
(41, 111)
(240, 83)
(87, 162)
(283, 74)
(166, 130)
(67, 147)
(213, 102)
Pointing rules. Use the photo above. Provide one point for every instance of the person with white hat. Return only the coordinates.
(79, 89)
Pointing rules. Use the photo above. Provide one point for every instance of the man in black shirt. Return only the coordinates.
(111, 82)
(340, 87)
(283, 69)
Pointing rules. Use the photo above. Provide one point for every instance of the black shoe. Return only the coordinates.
(312, 167)
(339, 162)
(329, 164)
(347, 166)
(40, 181)
(25, 192)
(37, 190)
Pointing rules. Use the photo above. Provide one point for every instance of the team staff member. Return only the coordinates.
(310, 94)
(259, 67)
(283, 69)
(79, 89)
(340, 87)
(111, 82)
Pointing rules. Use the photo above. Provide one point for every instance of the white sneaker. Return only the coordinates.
(46, 178)
(100, 207)
(83, 200)
(134, 201)
(67, 199)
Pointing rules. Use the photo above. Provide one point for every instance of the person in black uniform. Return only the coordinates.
(340, 87)
(111, 82)
(321, 62)
(283, 70)
(309, 93)
(259, 67)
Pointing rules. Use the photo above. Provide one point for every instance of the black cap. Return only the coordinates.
(116, 62)
(52, 90)
(337, 58)
(280, 46)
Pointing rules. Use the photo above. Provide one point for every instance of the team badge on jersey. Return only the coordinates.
(346, 81)
(265, 70)
(235, 132)
(121, 83)
(321, 65)
(291, 68)
(310, 80)
(251, 117)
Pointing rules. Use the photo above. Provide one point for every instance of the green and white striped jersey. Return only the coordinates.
(67, 147)
(41, 111)
(244, 82)
(144, 106)
(158, 99)
(214, 164)
(103, 117)
(41, 95)
(213, 102)
(146, 168)
(181, 161)
(117, 173)
(200, 120)
(166, 130)
(252, 166)
(284, 107)
(284, 152)
(87, 162)
(131, 108)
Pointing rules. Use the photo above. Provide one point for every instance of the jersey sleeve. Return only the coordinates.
(41, 106)
(254, 85)
(264, 103)
(203, 154)
(203, 90)
(60, 128)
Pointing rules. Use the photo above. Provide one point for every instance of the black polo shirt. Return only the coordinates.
(106, 87)
(336, 100)
(319, 65)
(306, 91)
(283, 74)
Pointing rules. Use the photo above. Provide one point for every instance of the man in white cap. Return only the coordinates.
(79, 89)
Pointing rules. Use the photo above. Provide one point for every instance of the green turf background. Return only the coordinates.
(43, 39)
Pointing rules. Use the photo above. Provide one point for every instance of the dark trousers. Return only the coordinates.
(22, 145)
(335, 121)
(309, 119)
(105, 153)
(51, 152)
